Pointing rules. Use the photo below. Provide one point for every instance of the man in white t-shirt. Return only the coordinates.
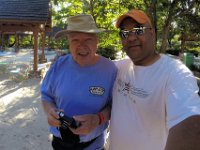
(155, 98)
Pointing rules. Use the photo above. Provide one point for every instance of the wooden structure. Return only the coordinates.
(185, 38)
(26, 15)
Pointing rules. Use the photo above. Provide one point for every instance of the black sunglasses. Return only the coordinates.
(139, 31)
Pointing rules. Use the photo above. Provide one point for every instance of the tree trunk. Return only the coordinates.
(166, 28)
(165, 34)
(1, 41)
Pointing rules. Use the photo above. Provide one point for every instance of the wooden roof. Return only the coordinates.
(18, 15)
(26, 15)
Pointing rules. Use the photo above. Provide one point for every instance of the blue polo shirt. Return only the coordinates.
(80, 90)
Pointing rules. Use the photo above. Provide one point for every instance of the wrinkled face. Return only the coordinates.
(83, 47)
(138, 44)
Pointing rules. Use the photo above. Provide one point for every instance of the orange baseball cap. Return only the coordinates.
(137, 15)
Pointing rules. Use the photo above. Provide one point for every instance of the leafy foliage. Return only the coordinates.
(171, 18)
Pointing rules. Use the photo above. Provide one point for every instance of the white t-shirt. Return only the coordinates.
(148, 101)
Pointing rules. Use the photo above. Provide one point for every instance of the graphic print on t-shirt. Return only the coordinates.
(127, 89)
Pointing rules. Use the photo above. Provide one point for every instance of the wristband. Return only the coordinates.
(101, 118)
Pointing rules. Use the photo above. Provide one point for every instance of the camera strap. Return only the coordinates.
(68, 136)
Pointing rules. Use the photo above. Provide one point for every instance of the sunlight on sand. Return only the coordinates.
(16, 96)
(23, 124)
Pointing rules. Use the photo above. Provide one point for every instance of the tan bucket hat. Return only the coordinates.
(79, 23)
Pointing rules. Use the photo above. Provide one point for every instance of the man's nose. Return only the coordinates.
(132, 36)
(82, 43)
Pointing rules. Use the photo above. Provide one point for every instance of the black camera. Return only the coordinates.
(67, 121)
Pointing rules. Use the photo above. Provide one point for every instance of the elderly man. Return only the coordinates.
(76, 91)
(155, 98)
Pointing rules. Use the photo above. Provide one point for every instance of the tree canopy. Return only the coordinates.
(171, 18)
(176, 22)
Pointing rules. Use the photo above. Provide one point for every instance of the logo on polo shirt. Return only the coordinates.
(97, 90)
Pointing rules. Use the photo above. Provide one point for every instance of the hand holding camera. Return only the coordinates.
(67, 121)
(66, 134)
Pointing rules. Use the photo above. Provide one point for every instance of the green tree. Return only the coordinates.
(171, 18)
(171, 12)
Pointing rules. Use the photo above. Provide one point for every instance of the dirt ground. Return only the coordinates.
(23, 124)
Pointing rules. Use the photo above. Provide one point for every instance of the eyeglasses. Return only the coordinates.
(124, 34)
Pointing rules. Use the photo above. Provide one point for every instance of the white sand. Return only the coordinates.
(23, 124)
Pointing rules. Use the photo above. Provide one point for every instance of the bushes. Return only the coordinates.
(108, 52)
(173, 52)
(20, 73)
(195, 53)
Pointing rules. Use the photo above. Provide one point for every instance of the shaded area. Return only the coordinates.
(23, 125)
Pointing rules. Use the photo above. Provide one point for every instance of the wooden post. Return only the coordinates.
(35, 65)
(17, 42)
(49, 39)
(43, 46)
(1, 42)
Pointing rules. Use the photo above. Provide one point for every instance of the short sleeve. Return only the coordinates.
(46, 87)
(182, 96)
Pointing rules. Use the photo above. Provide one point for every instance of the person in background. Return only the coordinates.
(79, 86)
(155, 98)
